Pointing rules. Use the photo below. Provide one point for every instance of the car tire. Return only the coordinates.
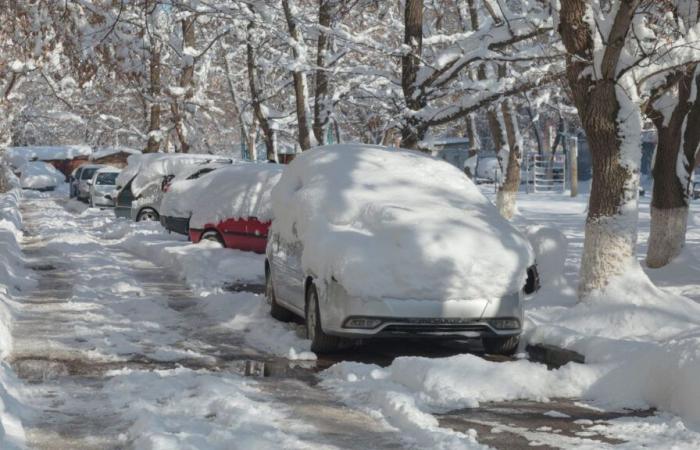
(147, 215)
(320, 341)
(506, 346)
(212, 236)
(276, 311)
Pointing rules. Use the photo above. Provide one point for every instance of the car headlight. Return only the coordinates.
(366, 323)
(505, 324)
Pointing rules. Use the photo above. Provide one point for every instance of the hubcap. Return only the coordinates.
(311, 316)
(148, 217)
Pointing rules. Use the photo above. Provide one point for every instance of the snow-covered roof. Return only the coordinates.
(109, 151)
(19, 155)
(397, 223)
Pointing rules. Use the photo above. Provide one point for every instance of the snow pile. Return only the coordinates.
(186, 409)
(17, 156)
(397, 223)
(13, 278)
(40, 175)
(153, 167)
(408, 392)
(236, 192)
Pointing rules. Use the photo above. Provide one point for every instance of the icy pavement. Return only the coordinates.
(130, 341)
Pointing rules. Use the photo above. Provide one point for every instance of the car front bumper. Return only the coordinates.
(420, 318)
(179, 225)
(123, 211)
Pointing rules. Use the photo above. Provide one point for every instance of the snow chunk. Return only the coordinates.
(397, 223)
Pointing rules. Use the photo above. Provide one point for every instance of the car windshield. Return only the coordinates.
(108, 178)
(87, 174)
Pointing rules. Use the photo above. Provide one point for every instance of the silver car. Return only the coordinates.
(80, 181)
(102, 187)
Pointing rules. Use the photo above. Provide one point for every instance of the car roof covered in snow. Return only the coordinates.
(388, 222)
(144, 169)
(238, 191)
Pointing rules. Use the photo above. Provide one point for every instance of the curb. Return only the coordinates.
(554, 357)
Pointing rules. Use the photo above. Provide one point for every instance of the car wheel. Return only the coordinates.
(147, 215)
(276, 311)
(506, 346)
(320, 341)
(213, 236)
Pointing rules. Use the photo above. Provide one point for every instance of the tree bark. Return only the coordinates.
(179, 107)
(678, 140)
(413, 129)
(154, 132)
(268, 132)
(300, 83)
(507, 193)
(611, 224)
(322, 100)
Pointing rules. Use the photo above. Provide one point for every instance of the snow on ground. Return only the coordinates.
(211, 272)
(98, 307)
(14, 278)
(642, 344)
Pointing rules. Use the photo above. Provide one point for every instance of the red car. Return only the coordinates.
(243, 234)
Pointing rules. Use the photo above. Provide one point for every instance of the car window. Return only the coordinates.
(87, 174)
(108, 178)
(199, 173)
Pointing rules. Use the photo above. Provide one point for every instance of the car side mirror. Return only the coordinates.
(109, 197)
(89, 182)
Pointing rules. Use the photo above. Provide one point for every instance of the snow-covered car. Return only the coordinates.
(40, 176)
(140, 185)
(102, 187)
(180, 195)
(370, 241)
(233, 207)
(80, 180)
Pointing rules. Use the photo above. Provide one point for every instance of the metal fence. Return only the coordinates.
(545, 173)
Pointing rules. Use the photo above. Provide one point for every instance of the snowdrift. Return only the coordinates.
(13, 277)
(397, 223)
(40, 175)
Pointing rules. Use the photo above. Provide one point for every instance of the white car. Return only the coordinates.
(80, 181)
(40, 176)
(373, 242)
(102, 187)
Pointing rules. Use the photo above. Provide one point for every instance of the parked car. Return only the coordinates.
(370, 242)
(140, 185)
(696, 190)
(232, 206)
(179, 196)
(80, 181)
(40, 176)
(102, 187)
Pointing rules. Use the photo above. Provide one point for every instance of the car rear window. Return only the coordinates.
(106, 178)
(87, 174)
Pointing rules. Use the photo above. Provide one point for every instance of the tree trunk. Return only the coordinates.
(611, 224)
(154, 132)
(678, 140)
(507, 193)
(322, 100)
(179, 106)
(413, 129)
(268, 132)
(301, 90)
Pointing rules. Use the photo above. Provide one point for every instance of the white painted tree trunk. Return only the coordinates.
(505, 202)
(667, 235)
